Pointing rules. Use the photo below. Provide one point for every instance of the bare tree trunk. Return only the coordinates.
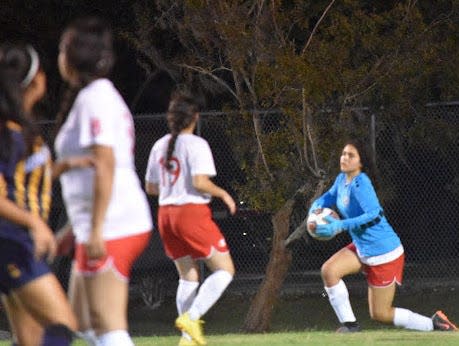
(258, 318)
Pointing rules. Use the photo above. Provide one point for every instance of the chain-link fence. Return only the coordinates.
(418, 186)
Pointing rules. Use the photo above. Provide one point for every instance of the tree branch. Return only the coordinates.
(220, 81)
(316, 26)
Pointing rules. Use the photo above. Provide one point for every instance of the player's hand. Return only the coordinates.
(332, 227)
(315, 210)
(95, 247)
(229, 201)
(43, 239)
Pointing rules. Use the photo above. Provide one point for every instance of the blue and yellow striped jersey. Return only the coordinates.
(25, 180)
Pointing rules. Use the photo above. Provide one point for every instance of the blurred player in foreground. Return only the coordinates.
(179, 170)
(375, 250)
(106, 205)
(36, 305)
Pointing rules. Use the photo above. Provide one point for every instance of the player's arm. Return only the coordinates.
(327, 200)
(41, 234)
(152, 188)
(103, 184)
(203, 184)
(365, 195)
(11, 212)
(64, 165)
(152, 174)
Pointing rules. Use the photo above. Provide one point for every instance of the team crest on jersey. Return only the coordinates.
(345, 200)
(13, 270)
(95, 126)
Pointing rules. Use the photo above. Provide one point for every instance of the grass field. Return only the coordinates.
(313, 338)
(296, 320)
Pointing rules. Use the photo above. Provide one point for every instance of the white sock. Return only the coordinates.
(115, 338)
(209, 292)
(411, 320)
(89, 336)
(339, 300)
(186, 292)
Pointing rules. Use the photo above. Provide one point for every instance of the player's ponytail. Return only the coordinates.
(180, 115)
(19, 65)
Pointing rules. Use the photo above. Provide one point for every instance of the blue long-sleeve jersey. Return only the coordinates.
(358, 205)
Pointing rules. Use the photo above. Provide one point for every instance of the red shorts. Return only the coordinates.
(188, 230)
(383, 275)
(121, 254)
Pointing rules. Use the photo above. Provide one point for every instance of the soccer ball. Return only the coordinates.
(316, 218)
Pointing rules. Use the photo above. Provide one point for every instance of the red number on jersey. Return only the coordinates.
(170, 175)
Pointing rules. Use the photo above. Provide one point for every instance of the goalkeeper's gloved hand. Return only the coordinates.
(313, 209)
(331, 228)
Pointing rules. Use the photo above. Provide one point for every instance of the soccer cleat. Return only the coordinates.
(349, 327)
(441, 322)
(187, 342)
(193, 328)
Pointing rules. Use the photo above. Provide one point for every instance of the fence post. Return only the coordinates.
(202, 267)
(373, 137)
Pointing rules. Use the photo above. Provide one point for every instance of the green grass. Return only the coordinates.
(296, 320)
(289, 314)
(379, 337)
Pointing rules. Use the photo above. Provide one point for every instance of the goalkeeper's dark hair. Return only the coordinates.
(19, 65)
(88, 45)
(180, 115)
(367, 158)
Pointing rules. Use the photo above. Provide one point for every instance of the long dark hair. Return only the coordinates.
(19, 64)
(367, 158)
(88, 45)
(180, 115)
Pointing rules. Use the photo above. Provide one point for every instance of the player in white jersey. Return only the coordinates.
(106, 205)
(179, 170)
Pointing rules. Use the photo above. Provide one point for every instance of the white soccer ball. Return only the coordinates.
(317, 218)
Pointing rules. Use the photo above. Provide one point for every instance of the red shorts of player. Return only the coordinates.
(188, 230)
(385, 274)
(120, 256)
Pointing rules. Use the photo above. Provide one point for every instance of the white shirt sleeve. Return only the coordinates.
(201, 159)
(97, 117)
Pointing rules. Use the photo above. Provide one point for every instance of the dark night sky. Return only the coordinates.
(41, 22)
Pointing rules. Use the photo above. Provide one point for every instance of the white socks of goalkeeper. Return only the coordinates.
(209, 292)
(411, 320)
(339, 300)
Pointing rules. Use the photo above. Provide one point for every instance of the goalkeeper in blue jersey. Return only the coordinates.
(375, 250)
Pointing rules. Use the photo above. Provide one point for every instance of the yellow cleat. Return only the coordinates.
(193, 328)
(186, 342)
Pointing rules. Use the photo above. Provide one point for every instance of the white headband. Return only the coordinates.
(33, 69)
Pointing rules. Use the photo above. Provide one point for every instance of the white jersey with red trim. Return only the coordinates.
(99, 116)
(192, 156)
